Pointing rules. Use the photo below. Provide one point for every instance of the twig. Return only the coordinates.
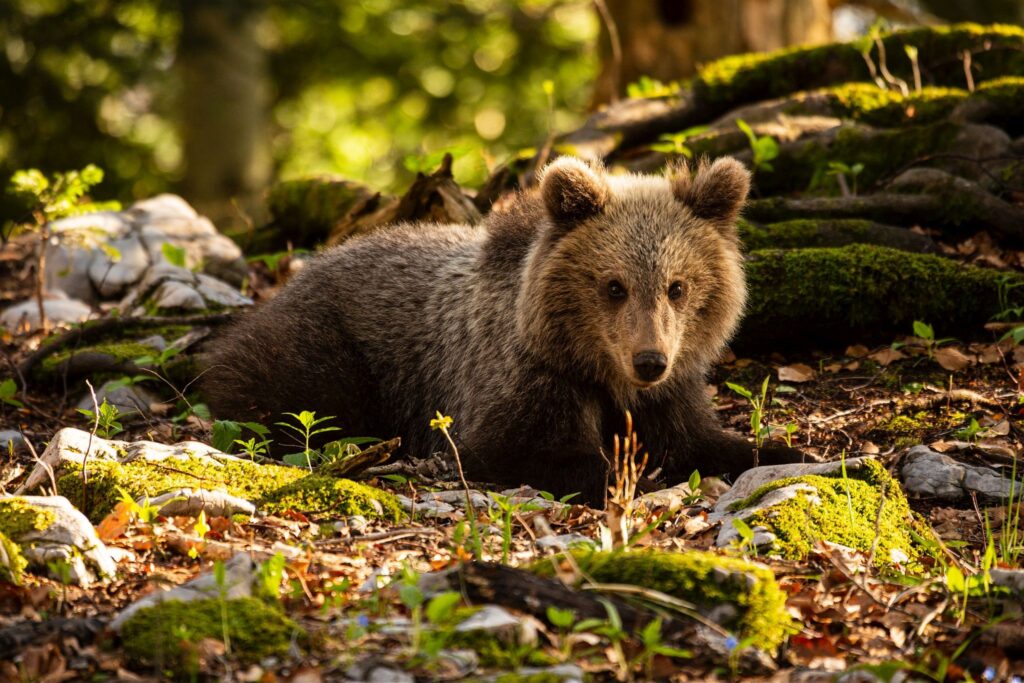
(88, 447)
(391, 535)
(878, 527)
(615, 71)
(966, 57)
(42, 463)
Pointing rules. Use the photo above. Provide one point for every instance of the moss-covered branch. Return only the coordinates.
(798, 234)
(808, 295)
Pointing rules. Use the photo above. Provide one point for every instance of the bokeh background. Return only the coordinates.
(215, 99)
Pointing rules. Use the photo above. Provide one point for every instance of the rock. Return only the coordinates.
(457, 497)
(491, 619)
(929, 474)
(793, 508)
(170, 287)
(426, 506)
(1011, 579)
(563, 541)
(560, 673)
(63, 534)
(131, 401)
(190, 502)
(24, 317)
(111, 276)
(11, 439)
(671, 498)
(239, 573)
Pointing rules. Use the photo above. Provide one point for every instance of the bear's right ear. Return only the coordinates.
(716, 191)
(572, 190)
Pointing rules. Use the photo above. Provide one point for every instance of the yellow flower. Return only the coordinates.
(442, 422)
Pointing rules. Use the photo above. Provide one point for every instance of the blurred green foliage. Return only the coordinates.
(364, 88)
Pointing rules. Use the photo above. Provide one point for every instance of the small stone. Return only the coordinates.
(178, 295)
(190, 502)
(11, 439)
(24, 317)
(563, 541)
(729, 534)
(111, 277)
(132, 401)
(457, 497)
(490, 619)
(929, 474)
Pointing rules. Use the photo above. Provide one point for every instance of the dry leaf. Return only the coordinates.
(887, 356)
(797, 372)
(951, 359)
(857, 351)
(114, 524)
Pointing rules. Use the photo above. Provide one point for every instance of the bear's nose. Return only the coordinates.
(649, 365)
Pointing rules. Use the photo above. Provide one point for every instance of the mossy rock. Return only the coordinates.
(17, 518)
(303, 211)
(997, 50)
(167, 634)
(805, 233)
(272, 488)
(703, 579)
(807, 296)
(841, 509)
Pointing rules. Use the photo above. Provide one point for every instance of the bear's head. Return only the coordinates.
(635, 279)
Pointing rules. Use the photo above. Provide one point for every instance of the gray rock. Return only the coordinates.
(563, 541)
(929, 474)
(728, 534)
(131, 401)
(239, 573)
(671, 498)
(166, 286)
(1012, 579)
(70, 445)
(71, 538)
(190, 502)
(491, 619)
(111, 277)
(160, 207)
(426, 506)
(24, 317)
(11, 438)
(755, 478)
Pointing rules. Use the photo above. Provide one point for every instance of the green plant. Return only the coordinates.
(225, 433)
(970, 432)
(759, 428)
(504, 511)
(253, 448)
(746, 544)
(56, 197)
(107, 422)
(654, 644)
(675, 143)
(142, 512)
(788, 430)
(443, 423)
(269, 576)
(173, 254)
(220, 579)
(306, 429)
(764, 148)
(926, 334)
(8, 390)
(1011, 540)
(844, 173)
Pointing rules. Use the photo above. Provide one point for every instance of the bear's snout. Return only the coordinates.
(649, 365)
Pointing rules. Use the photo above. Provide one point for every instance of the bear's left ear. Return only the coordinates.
(572, 190)
(716, 191)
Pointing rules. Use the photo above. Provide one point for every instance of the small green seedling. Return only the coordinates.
(306, 429)
(758, 427)
(764, 147)
(675, 143)
(8, 390)
(746, 544)
(107, 425)
(845, 175)
(646, 87)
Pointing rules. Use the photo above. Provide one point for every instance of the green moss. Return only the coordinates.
(166, 634)
(801, 521)
(12, 562)
(696, 577)
(857, 288)
(270, 487)
(729, 82)
(813, 232)
(303, 211)
(120, 351)
(318, 493)
(1006, 97)
(870, 104)
(19, 517)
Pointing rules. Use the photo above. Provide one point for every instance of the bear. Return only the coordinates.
(592, 295)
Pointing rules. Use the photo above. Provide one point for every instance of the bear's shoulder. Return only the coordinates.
(511, 230)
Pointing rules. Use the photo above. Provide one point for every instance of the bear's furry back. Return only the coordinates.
(383, 331)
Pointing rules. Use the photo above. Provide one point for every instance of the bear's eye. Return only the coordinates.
(675, 290)
(616, 290)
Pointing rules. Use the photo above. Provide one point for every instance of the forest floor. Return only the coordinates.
(963, 399)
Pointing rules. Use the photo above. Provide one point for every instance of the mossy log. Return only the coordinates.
(920, 196)
(304, 211)
(808, 296)
(797, 234)
(731, 82)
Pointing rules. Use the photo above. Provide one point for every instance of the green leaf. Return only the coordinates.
(923, 330)
(741, 390)
(8, 390)
(224, 434)
(441, 607)
(173, 254)
(410, 595)
(560, 618)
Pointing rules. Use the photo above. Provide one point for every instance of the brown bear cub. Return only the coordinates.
(536, 331)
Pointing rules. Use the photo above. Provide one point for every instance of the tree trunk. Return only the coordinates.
(667, 39)
(223, 108)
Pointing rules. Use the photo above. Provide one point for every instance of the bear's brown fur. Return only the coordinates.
(535, 331)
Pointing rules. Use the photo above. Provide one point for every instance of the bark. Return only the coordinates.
(667, 39)
(223, 107)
